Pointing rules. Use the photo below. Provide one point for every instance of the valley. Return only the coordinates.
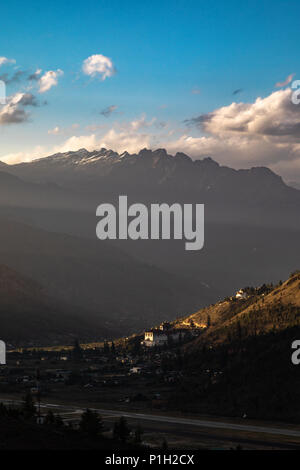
(231, 359)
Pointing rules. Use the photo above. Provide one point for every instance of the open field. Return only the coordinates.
(183, 432)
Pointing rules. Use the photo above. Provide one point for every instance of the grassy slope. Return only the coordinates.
(242, 363)
(261, 313)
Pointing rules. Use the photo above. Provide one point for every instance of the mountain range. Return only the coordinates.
(48, 221)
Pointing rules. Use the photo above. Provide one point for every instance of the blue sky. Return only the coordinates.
(173, 60)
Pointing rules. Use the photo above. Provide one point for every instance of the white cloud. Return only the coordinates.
(56, 130)
(49, 79)
(100, 65)
(122, 141)
(238, 152)
(137, 124)
(5, 60)
(73, 143)
(95, 127)
(288, 80)
(241, 135)
(28, 156)
(13, 112)
(119, 141)
(120, 137)
(263, 133)
(273, 116)
(35, 75)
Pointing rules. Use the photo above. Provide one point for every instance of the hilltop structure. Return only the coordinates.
(241, 294)
(164, 334)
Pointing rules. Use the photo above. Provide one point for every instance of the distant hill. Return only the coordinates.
(111, 289)
(30, 316)
(241, 364)
(252, 223)
(16, 192)
(294, 184)
(267, 309)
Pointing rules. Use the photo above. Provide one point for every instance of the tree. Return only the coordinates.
(238, 330)
(77, 351)
(136, 345)
(170, 341)
(106, 347)
(138, 435)
(49, 418)
(74, 378)
(3, 410)
(28, 406)
(59, 421)
(91, 423)
(164, 445)
(208, 321)
(121, 430)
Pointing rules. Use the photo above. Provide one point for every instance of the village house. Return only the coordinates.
(165, 326)
(155, 337)
(241, 294)
(135, 370)
(162, 335)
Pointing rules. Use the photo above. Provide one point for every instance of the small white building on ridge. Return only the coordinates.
(241, 294)
(155, 338)
(163, 334)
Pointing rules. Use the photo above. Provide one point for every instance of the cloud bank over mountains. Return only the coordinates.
(263, 132)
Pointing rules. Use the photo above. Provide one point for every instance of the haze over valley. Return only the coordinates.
(48, 226)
